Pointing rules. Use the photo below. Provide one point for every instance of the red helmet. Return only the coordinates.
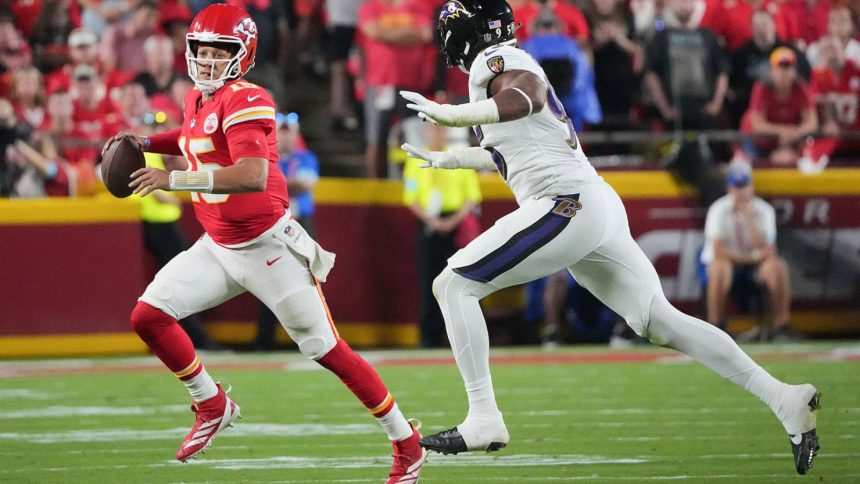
(228, 27)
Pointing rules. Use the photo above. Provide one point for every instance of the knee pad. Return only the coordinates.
(442, 282)
(149, 322)
(303, 315)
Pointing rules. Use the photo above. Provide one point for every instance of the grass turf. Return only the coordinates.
(121, 420)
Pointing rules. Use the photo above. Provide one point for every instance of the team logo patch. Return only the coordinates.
(452, 10)
(496, 64)
(211, 123)
(566, 206)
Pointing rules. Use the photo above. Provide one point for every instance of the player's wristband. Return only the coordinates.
(192, 181)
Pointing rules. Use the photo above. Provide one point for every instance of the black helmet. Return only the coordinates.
(466, 27)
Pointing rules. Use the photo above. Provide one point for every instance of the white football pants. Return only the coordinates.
(207, 274)
(588, 234)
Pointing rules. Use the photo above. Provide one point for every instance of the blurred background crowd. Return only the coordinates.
(682, 84)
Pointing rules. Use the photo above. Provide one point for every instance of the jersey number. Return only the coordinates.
(192, 148)
(557, 109)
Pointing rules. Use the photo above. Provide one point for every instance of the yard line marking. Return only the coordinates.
(241, 430)
(69, 411)
(24, 394)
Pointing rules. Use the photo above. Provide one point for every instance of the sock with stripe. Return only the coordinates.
(363, 381)
(162, 333)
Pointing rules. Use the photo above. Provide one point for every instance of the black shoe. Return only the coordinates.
(451, 442)
(805, 446)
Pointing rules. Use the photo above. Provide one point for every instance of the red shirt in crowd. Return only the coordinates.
(732, 20)
(841, 92)
(782, 111)
(61, 79)
(572, 20)
(403, 66)
(92, 126)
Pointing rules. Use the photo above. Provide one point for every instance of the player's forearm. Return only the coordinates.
(475, 158)
(166, 143)
(246, 176)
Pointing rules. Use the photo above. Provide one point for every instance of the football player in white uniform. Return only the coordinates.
(568, 217)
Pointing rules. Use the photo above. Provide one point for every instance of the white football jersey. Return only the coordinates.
(537, 155)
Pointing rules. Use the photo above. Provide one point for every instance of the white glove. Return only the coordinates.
(433, 159)
(459, 116)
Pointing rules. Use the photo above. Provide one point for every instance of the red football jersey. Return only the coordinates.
(841, 92)
(237, 217)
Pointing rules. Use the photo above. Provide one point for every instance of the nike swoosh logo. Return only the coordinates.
(270, 262)
(796, 439)
(488, 53)
(252, 98)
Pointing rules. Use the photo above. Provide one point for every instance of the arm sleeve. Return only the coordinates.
(166, 143)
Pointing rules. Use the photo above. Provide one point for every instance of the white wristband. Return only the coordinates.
(192, 181)
(473, 114)
(475, 158)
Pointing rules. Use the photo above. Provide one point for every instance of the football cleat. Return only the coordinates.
(451, 442)
(213, 416)
(409, 457)
(805, 445)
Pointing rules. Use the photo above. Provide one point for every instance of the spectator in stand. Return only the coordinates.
(309, 14)
(840, 25)
(443, 202)
(28, 96)
(301, 168)
(53, 24)
(686, 72)
(836, 87)
(122, 43)
(686, 77)
(750, 63)
(11, 130)
(573, 23)
(780, 108)
(14, 55)
(740, 236)
(567, 69)
(97, 15)
(731, 20)
(50, 174)
(134, 106)
(342, 20)
(175, 23)
(95, 117)
(617, 61)
(158, 73)
(398, 36)
(83, 49)
(171, 102)
(58, 116)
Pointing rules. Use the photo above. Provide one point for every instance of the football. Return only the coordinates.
(122, 158)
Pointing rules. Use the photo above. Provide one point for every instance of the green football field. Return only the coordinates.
(574, 414)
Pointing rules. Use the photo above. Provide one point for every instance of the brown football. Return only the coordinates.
(122, 158)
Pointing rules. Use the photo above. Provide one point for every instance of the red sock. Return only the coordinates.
(359, 377)
(166, 339)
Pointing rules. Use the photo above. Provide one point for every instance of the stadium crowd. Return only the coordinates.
(781, 76)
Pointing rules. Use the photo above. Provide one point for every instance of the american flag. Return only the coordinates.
(495, 24)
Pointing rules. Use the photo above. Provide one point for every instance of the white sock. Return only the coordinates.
(482, 400)
(201, 387)
(395, 425)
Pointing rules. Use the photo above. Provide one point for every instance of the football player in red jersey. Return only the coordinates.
(251, 243)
